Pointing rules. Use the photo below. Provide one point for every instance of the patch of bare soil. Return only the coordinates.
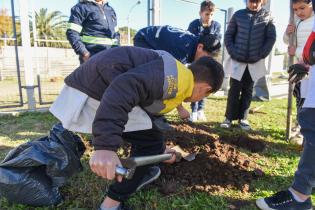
(219, 165)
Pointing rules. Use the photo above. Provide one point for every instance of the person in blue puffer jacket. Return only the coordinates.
(249, 39)
(92, 27)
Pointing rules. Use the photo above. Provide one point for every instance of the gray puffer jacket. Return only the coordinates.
(250, 35)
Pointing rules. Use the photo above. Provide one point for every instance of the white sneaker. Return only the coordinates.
(244, 124)
(226, 123)
(201, 116)
(193, 117)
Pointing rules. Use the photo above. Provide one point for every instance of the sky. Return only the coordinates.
(173, 12)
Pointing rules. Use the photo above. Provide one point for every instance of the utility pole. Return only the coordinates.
(26, 46)
(128, 19)
(156, 15)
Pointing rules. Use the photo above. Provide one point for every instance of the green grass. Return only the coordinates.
(86, 191)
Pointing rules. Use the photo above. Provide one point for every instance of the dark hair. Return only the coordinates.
(255, 1)
(207, 5)
(211, 43)
(298, 1)
(208, 70)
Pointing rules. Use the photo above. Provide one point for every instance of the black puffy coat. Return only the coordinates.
(250, 35)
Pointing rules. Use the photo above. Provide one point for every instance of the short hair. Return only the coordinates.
(211, 43)
(302, 1)
(207, 5)
(255, 1)
(208, 70)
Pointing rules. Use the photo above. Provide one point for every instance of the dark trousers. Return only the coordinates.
(197, 106)
(239, 97)
(304, 178)
(297, 94)
(143, 143)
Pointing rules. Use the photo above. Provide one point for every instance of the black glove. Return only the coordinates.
(297, 72)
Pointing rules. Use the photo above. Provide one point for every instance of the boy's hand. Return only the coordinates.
(86, 56)
(103, 163)
(182, 112)
(290, 29)
(291, 50)
(173, 159)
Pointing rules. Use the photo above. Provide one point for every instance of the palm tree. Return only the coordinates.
(50, 26)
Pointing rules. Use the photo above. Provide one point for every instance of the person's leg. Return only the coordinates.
(194, 106)
(233, 100)
(200, 113)
(296, 136)
(304, 179)
(144, 143)
(297, 197)
(194, 109)
(201, 104)
(246, 95)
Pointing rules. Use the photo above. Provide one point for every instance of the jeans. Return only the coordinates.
(197, 106)
(143, 143)
(304, 178)
(239, 97)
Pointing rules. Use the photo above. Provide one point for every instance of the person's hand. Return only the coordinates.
(182, 112)
(173, 159)
(86, 56)
(297, 72)
(103, 163)
(290, 29)
(309, 50)
(291, 50)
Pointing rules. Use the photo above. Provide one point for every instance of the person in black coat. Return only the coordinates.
(249, 39)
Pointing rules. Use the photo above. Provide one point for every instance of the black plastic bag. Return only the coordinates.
(32, 173)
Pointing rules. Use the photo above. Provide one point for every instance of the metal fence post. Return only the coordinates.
(26, 45)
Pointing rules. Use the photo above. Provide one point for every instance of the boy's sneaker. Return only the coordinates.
(201, 116)
(193, 117)
(283, 200)
(226, 123)
(153, 173)
(244, 124)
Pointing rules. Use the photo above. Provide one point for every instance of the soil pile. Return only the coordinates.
(219, 163)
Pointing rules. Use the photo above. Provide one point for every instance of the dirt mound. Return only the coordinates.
(218, 165)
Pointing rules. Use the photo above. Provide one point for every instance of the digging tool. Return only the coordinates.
(180, 153)
(254, 110)
(129, 165)
(291, 86)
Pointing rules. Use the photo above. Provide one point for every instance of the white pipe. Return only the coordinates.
(26, 46)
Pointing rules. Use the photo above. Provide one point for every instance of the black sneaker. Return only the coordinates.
(283, 200)
(153, 173)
